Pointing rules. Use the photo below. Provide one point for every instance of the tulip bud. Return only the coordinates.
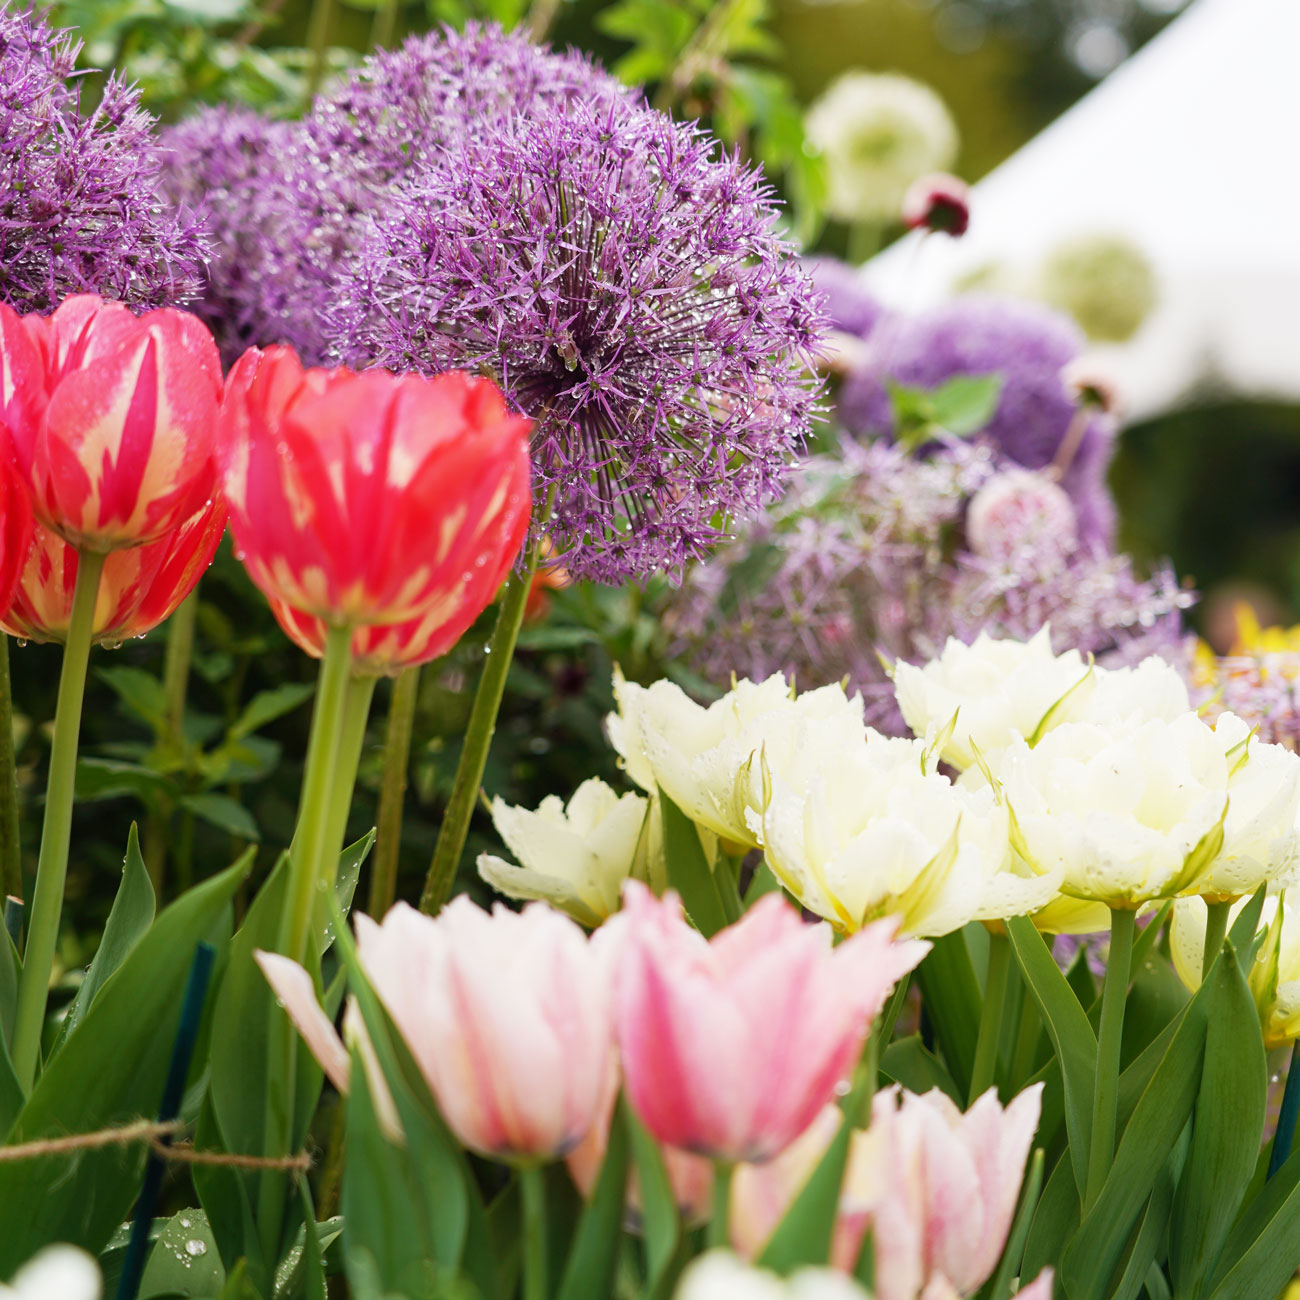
(110, 418)
(938, 203)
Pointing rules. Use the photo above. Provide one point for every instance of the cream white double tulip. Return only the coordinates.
(983, 696)
(866, 830)
(577, 856)
(719, 1275)
(56, 1273)
(705, 758)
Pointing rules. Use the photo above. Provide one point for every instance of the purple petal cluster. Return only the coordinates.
(1262, 686)
(850, 306)
(79, 203)
(866, 556)
(287, 203)
(626, 283)
(1028, 345)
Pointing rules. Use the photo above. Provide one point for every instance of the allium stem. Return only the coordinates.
(478, 737)
(392, 792)
(56, 831)
(990, 1030)
(541, 15)
(1114, 990)
(532, 1183)
(11, 871)
(1216, 929)
(385, 28)
(318, 41)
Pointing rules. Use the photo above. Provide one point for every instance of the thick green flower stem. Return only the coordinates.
(318, 42)
(352, 740)
(1114, 991)
(532, 1185)
(11, 871)
(478, 738)
(392, 793)
(990, 1030)
(1216, 930)
(724, 1173)
(52, 864)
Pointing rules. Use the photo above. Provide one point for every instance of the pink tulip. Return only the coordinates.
(731, 1047)
(110, 418)
(941, 1188)
(507, 1015)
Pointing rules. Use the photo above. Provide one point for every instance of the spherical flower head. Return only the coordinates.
(1090, 384)
(626, 285)
(939, 203)
(879, 133)
(82, 211)
(138, 588)
(730, 1047)
(1106, 282)
(710, 760)
(1028, 345)
(371, 499)
(575, 856)
(719, 1275)
(508, 1016)
(1020, 508)
(941, 1186)
(110, 418)
(56, 1273)
(850, 306)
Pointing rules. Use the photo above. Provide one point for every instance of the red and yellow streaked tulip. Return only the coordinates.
(110, 418)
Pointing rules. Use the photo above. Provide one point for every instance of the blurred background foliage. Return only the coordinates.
(1213, 488)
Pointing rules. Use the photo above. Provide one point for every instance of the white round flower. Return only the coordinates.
(705, 759)
(56, 1273)
(576, 857)
(879, 132)
(1020, 508)
(720, 1275)
(1153, 689)
(988, 693)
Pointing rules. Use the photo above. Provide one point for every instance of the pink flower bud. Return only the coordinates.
(1017, 508)
(938, 203)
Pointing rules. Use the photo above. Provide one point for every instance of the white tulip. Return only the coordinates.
(576, 857)
(1153, 689)
(720, 1275)
(981, 697)
(704, 758)
(56, 1273)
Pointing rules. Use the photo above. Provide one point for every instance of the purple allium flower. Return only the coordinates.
(625, 283)
(850, 306)
(80, 206)
(288, 202)
(1261, 686)
(1028, 345)
(866, 555)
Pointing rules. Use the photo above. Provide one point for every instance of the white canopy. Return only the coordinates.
(1191, 149)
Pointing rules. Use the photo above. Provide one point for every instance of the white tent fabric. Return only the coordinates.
(1191, 149)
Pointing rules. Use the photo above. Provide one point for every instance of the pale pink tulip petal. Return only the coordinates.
(294, 988)
(1039, 1289)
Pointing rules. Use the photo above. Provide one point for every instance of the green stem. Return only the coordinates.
(865, 238)
(541, 14)
(1216, 930)
(1114, 991)
(56, 832)
(478, 738)
(1027, 1038)
(313, 859)
(385, 28)
(318, 42)
(720, 1223)
(990, 1030)
(392, 792)
(532, 1182)
(356, 714)
(11, 870)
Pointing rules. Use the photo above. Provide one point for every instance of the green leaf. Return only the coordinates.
(951, 996)
(763, 882)
(184, 1260)
(593, 1256)
(266, 706)
(110, 778)
(1263, 1249)
(965, 404)
(689, 872)
(1226, 1136)
(1149, 1238)
(224, 1194)
(11, 969)
(345, 888)
(909, 1062)
(128, 922)
(224, 813)
(1071, 1034)
(109, 1072)
(141, 693)
(661, 1221)
(1055, 1221)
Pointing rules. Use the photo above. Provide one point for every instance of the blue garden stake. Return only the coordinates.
(196, 991)
(1286, 1119)
(15, 909)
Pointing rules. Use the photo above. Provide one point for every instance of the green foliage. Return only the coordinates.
(960, 408)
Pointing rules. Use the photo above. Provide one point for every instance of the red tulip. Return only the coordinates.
(110, 418)
(16, 525)
(137, 589)
(370, 499)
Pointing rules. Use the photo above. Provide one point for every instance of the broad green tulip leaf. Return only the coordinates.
(1245, 933)
(12, 1097)
(109, 1072)
(951, 995)
(662, 1224)
(223, 812)
(1055, 1220)
(305, 1276)
(689, 871)
(184, 1260)
(1228, 1130)
(11, 969)
(227, 1199)
(909, 1062)
(803, 1237)
(266, 706)
(593, 1256)
(1156, 1124)
(128, 922)
(1263, 1248)
(239, 1286)
(1071, 1034)
(345, 888)
(1147, 1240)
(505, 1235)
(998, 1286)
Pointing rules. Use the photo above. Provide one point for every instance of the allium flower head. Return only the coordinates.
(879, 132)
(1028, 345)
(1106, 282)
(80, 210)
(625, 284)
(850, 305)
(938, 203)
